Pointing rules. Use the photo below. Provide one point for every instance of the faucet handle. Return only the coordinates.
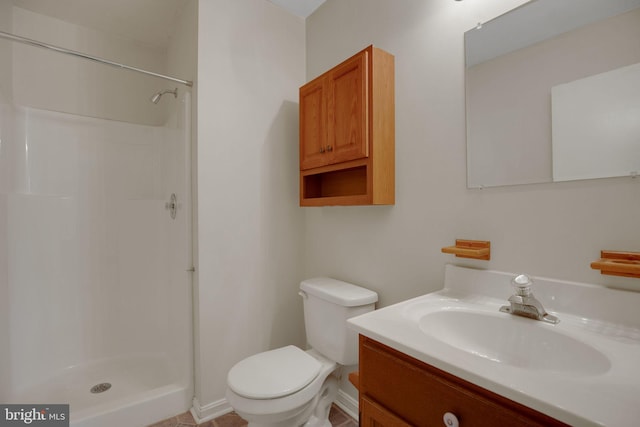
(522, 283)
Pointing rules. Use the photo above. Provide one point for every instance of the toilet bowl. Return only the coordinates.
(290, 387)
(285, 391)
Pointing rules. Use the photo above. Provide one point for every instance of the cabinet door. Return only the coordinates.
(422, 394)
(347, 110)
(313, 130)
(374, 415)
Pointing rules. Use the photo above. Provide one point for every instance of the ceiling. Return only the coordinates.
(302, 8)
(148, 21)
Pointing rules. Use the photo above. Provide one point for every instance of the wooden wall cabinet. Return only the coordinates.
(397, 390)
(347, 133)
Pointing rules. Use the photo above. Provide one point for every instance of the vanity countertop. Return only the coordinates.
(583, 371)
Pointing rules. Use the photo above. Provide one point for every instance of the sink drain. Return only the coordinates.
(100, 388)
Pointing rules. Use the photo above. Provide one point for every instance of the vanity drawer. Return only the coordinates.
(420, 394)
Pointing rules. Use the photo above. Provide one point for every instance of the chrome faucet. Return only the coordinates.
(523, 303)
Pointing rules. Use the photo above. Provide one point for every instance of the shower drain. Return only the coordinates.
(100, 388)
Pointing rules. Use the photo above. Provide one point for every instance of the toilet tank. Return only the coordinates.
(328, 303)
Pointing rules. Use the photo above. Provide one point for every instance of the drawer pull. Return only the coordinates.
(450, 420)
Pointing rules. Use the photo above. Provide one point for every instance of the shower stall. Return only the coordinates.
(95, 228)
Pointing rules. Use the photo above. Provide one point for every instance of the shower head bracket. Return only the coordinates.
(156, 96)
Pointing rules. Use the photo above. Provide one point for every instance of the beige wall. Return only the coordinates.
(78, 86)
(548, 229)
(6, 64)
(5, 119)
(255, 243)
(553, 230)
(250, 231)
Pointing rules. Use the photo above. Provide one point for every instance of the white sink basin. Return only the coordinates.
(515, 341)
(582, 371)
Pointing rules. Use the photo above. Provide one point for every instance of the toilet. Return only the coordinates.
(290, 387)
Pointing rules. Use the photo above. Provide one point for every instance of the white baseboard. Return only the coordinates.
(348, 404)
(210, 411)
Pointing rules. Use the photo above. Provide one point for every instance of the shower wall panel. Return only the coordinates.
(89, 268)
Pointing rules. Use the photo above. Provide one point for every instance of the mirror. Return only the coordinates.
(553, 93)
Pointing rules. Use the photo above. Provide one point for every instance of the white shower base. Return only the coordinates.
(144, 389)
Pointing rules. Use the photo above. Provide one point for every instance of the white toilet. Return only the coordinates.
(289, 387)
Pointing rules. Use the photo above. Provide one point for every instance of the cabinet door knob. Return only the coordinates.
(329, 148)
(450, 420)
(322, 149)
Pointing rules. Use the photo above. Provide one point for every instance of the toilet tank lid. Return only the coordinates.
(338, 292)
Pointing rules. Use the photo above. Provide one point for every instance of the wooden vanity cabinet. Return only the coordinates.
(347, 133)
(397, 390)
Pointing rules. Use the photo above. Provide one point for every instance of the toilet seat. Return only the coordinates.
(273, 374)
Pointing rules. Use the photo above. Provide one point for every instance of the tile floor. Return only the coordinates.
(337, 417)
